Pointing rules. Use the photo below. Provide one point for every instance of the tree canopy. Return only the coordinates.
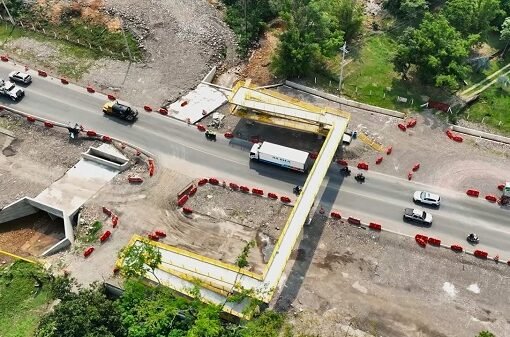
(436, 50)
(472, 16)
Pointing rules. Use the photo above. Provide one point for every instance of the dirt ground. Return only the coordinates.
(182, 41)
(342, 278)
(30, 162)
(220, 226)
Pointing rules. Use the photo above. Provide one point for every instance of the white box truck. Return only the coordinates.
(281, 156)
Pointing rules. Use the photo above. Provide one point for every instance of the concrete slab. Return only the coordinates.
(197, 104)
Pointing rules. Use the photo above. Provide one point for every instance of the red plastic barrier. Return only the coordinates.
(473, 193)
(375, 226)
(389, 150)
(4, 58)
(449, 133)
(434, 242)
(115, 220)
(30, 119)
(147, 108)
(107, 211)
(135, 180)
(342, 162)
(182, 200)
(354, 221)
(491, 198)
(272, 196)
(481, 254)
(285, 199)
(64, 81)
(193, 191)
(200, 127)
(456, 248)
(106, 139)
(184, 103)
(91, 133)
(161, 234)
(313, 155)
(426, 238)
(152, 168)
(411, 123)
(202, 182)
(42, 73)
(105, 236)
(402, 127)
(336, 215)
(410, 176)
(363, 166)
(153, 237)
(111, 97)
(501, 187)
(48, 124)
(91, 90)
(88, 251)
(257, 191)
(379, 160)
(187, 210)
(244, 189)
(233, 186)
(213, 181)
(228, 135)
(421, 240)
(458, 139)
(416, 167)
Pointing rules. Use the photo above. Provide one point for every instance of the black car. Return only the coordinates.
(120, 110)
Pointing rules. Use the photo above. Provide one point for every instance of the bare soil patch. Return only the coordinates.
(386, 285)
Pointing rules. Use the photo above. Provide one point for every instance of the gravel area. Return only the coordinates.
(343, 278)
(182, 41)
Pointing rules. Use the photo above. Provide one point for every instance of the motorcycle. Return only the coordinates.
(74, 131)
(473, 238)
(297, 190)
(360, 178)
(210, 135)
(345, 171)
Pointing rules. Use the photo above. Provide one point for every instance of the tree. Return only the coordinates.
(505, 30)
(413, 10)
(472, 16)
(437, 51)
(87, 314)
(310, 35)
(486, 334)
(349, 16)
(140, 258)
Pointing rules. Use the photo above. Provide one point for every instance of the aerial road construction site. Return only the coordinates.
(316, 187)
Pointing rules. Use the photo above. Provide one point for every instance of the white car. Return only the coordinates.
(427, 198)
(417, 215)
(20, 77)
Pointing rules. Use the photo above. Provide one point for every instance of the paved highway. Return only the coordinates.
(178, 146)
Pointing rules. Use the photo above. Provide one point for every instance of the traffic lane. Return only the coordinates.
(389, 214)
(452, 203)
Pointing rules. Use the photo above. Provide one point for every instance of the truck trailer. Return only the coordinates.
(281, 156)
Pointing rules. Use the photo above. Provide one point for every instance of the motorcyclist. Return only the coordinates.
(473, 237)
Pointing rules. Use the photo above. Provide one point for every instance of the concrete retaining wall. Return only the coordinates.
(105, 158)
(210, 75)
(485, 135)
(16, 210)
(62, 244)
(345, 101)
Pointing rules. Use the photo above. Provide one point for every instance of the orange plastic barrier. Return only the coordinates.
(182, 200)
(375, 226)
(456, 248)
(336, 215)
(105, 236)
(491, 198)
(213, 181)
(402, 127)
(354, 221)
(88, 251)
(480, 254)
(473, 193)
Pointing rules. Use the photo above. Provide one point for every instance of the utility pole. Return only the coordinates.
(8, 13)
(344, 51)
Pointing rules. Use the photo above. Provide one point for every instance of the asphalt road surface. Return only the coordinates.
(181, 147)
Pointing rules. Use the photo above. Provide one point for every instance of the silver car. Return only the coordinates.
(427, 198)
(20, 77)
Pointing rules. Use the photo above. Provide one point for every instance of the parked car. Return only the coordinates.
(20, 77)
(120, 110)
(427, 198)
(417, 215)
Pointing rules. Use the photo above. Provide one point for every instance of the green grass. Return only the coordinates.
(493, 108)
(370, 78)
(92, 234)
(20, 305)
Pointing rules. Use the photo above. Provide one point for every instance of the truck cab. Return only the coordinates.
(120, 110)
(254, 152)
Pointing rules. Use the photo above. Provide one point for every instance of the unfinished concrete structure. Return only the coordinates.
(65, 197)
